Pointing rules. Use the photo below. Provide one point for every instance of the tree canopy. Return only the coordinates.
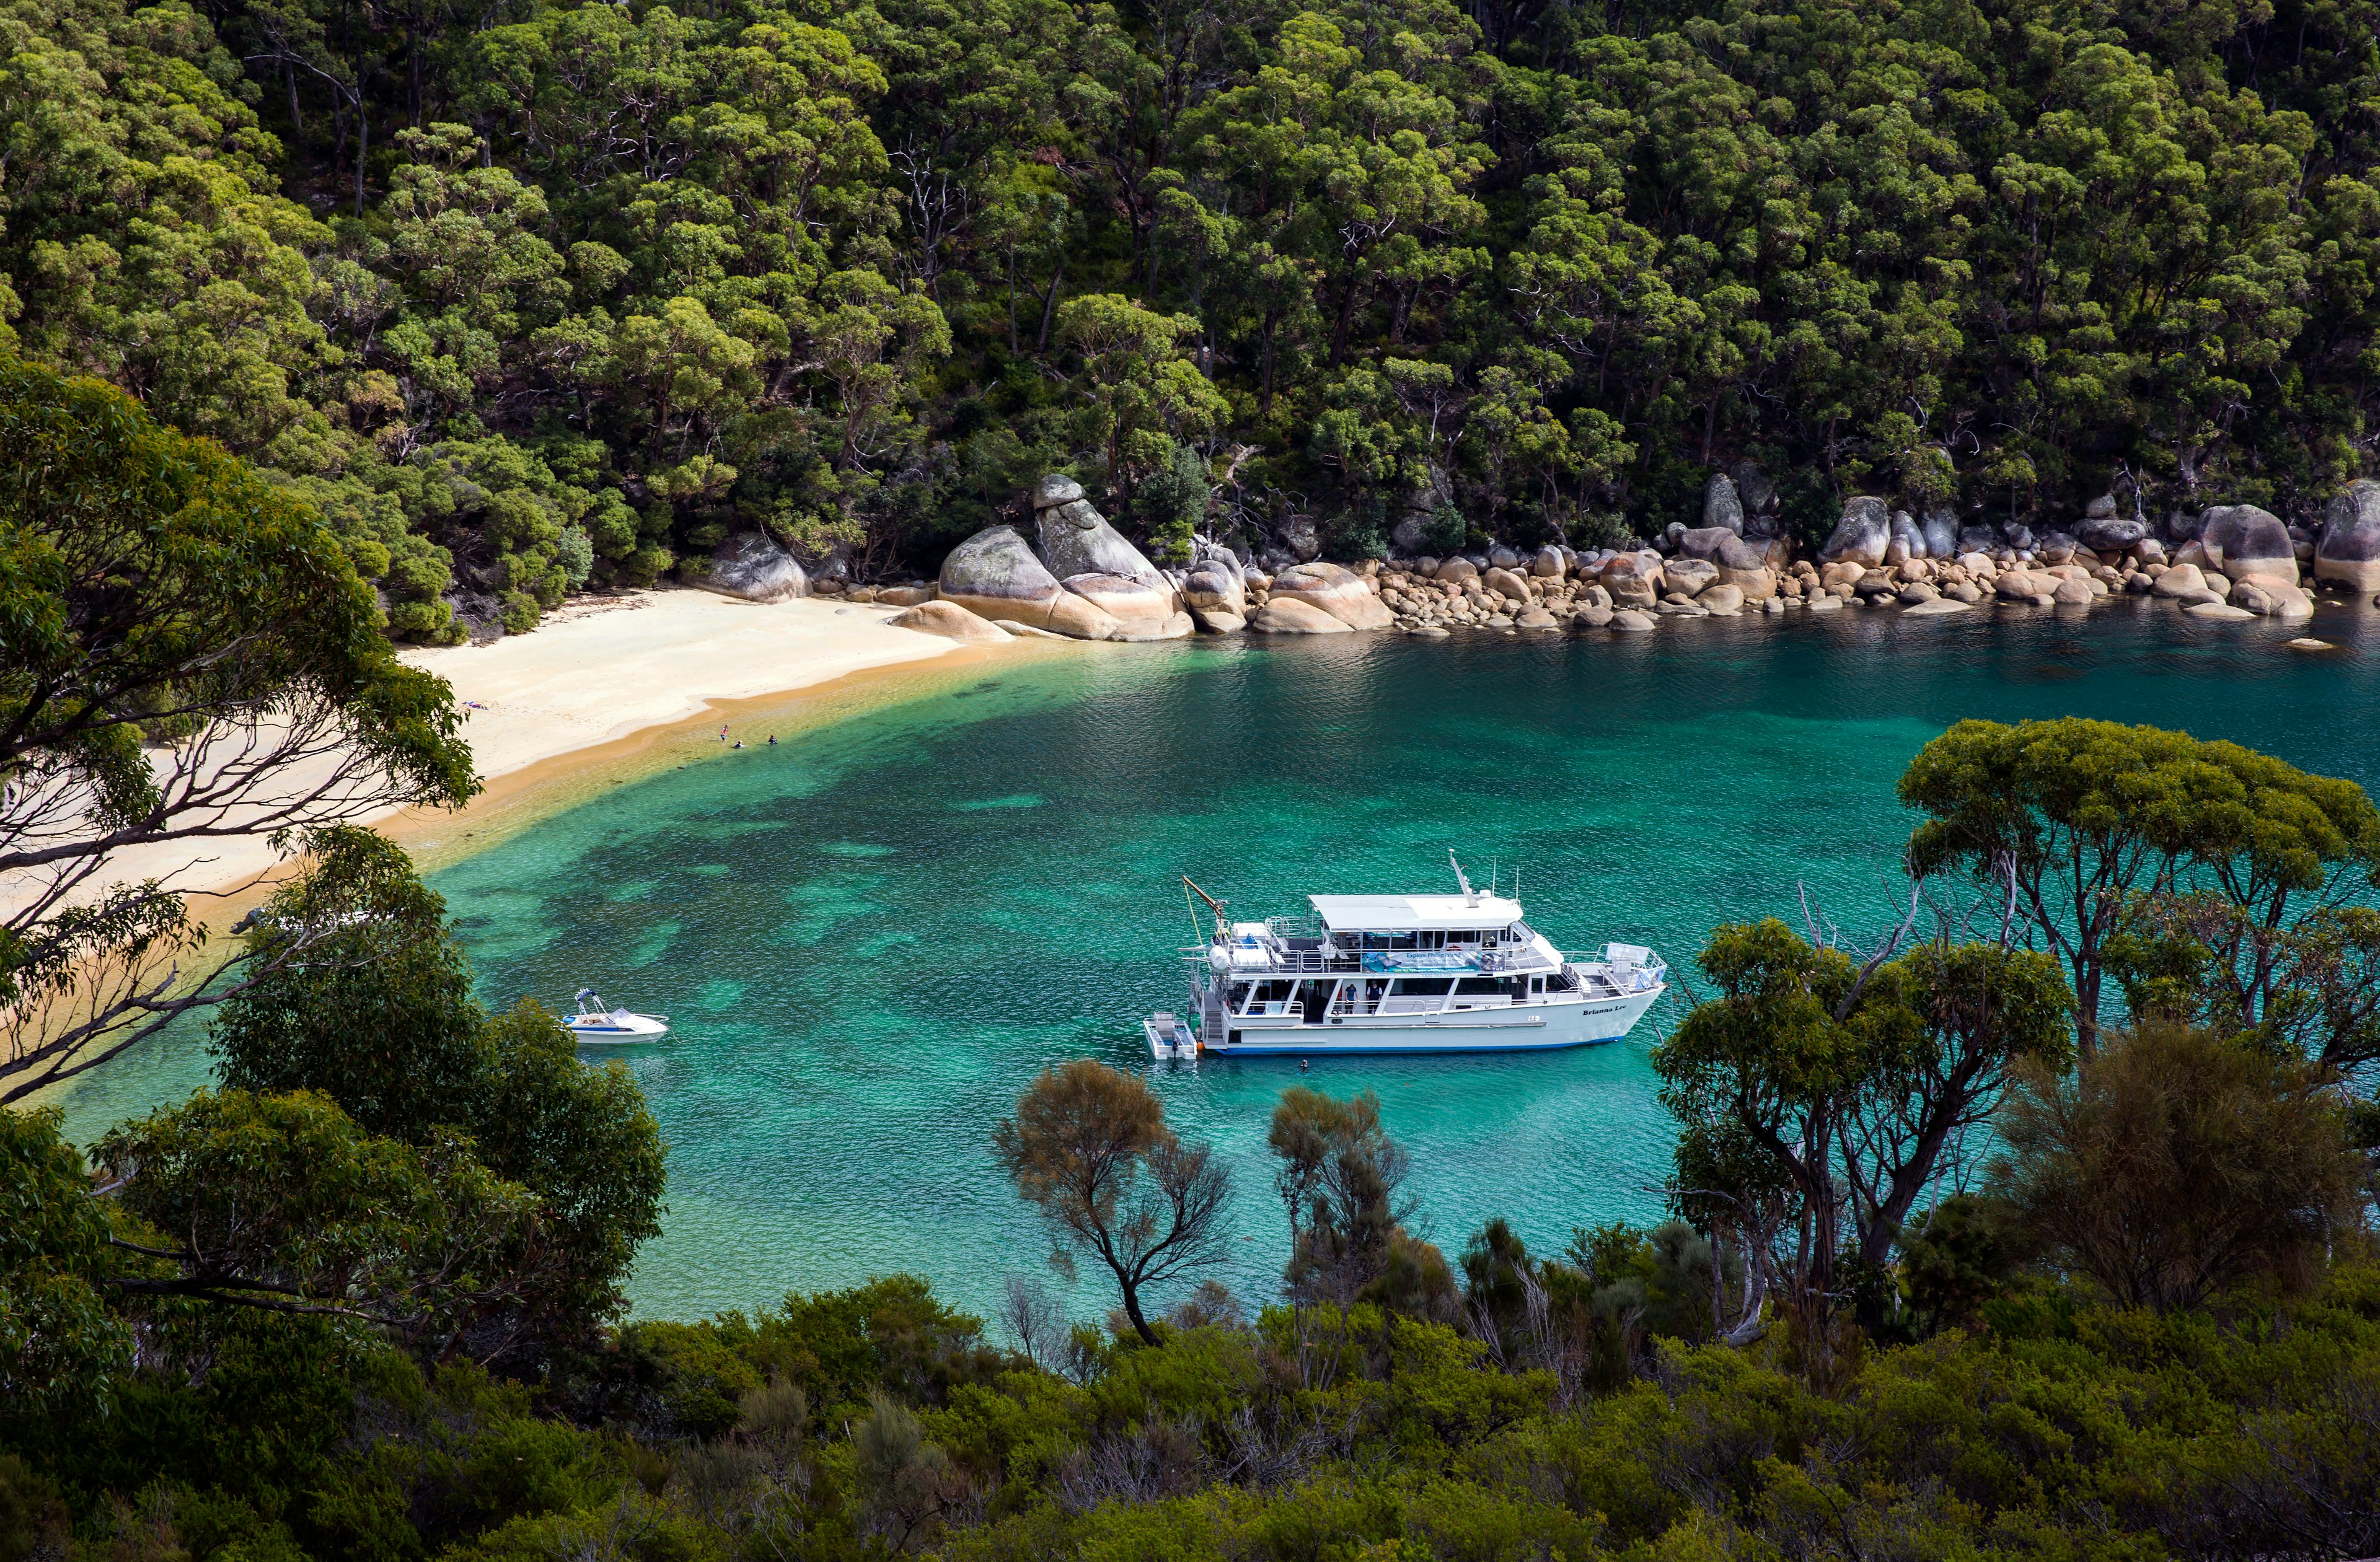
(186, 654)
(572, 292)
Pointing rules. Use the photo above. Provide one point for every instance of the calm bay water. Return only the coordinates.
(869, 940)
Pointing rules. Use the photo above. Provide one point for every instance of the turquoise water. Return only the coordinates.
(869, 940)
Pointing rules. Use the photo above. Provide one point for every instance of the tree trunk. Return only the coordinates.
(1132, 1311)
(1050, 303)
(1346, 313)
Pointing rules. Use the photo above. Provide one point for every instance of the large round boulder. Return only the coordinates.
(2350, 547)
(2111, 534)
(1211, 589)
(1703, 542)
(1076, 539)
(1723, 507)
(1942, 529)
(1634, 580)
(994, 576)
(1142, 610)
(1907, 533)
(2244, 541)
(951, 622)
(1548, 565)
(1754, 491)
(1691, 576)
(1456, 570)
(1290, 615)
(752, 567)
(1862, 535)
(1339, 592)
(1505, 583)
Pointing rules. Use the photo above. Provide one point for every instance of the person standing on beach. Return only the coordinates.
(722, 732)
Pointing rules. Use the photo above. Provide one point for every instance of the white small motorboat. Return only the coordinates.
(597, 1024)
(1169, 1037)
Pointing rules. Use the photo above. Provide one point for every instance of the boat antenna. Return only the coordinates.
(1470, 896)
(1189, 889)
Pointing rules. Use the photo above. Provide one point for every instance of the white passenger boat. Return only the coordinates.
(598, 1024)
(1385, 973)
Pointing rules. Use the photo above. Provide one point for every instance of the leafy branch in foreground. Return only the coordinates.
(186, 656)
(283, 1203)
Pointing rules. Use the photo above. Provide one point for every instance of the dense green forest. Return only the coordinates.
(525, 295)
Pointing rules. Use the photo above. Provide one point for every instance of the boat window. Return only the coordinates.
(1434, 939)
(1376, 940)
(1537, 984)
(1402, 941)
(1478, 985)
(1239, 994)
(1421, 987)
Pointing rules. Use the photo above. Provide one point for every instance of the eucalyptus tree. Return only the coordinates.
(186, 656)
(1852, 1088)
(1088, 1147)
(2094, 837)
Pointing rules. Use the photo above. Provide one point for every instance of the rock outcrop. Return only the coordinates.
(1288, 615)
(1862, 535)
(1142, 611)
(951, 622)
(994, 576)
(1331, 589)
(752, 567)
(2349, 549)
(2244, 540)
(2110, 533)
(1076, 539)
(1721, 505)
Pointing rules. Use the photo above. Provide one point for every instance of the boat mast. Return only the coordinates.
(1470, 896)
(1221, 932)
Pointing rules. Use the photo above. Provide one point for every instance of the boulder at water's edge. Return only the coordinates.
(1288, 615)
(2350, 547)
(995, 575)
(1330, 588)
(1862, 535)
(752, 567)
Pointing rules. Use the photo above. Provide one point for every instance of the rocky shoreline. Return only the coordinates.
(1077, 577)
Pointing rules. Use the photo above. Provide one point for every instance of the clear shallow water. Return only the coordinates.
(869, 940)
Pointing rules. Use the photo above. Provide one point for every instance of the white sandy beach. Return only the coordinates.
(597, 670)
(605, 667)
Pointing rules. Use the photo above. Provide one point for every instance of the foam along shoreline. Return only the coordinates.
(598, 670)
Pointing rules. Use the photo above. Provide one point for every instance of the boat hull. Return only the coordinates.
(1524, 1028)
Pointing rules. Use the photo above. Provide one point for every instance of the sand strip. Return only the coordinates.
(596, 682)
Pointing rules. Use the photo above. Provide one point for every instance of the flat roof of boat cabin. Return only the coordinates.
(1412, 913)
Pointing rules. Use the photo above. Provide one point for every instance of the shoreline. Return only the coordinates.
(669, 662)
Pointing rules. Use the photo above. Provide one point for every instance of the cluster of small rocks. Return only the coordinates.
(2227, 562)
(1078, 578)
